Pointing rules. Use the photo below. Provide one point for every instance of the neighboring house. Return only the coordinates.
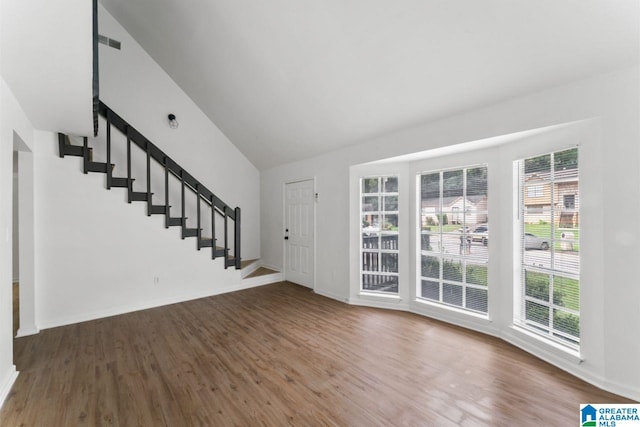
(471, 211)
(540, 195)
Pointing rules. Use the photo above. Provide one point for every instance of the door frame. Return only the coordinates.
(284, 225)
(26, 239)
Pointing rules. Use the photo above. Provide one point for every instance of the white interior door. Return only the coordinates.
(299, 232)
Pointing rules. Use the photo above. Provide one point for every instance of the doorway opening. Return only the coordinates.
(24, 313)
(15, 271)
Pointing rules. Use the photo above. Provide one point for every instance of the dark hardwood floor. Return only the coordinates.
(282, 355)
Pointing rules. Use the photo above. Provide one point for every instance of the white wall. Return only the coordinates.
(98, 255)
(613, 100)
(137, 89)
(15, 271)
(47, 61)
(13, 121)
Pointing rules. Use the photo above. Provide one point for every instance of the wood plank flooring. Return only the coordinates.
(281, 355)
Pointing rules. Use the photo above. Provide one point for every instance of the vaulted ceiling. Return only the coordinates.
(290, 79)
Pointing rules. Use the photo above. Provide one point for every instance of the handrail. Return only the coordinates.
(164, 159)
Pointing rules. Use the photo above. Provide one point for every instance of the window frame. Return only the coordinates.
(379, 250)
(464, 258)
(522, 295)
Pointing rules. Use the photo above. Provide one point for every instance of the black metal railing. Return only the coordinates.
(206, 199)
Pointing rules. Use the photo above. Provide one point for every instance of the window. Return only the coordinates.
(379, 234)
(535, 191)
(549, 302)
(570, 201)
(454, 238)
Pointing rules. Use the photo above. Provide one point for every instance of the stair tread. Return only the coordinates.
(158, 209)
(248, 262)
(121, 182)
(139, 196)
(99, 167)
(73, 150)
(205, 243)
(260, 271)
(189, 232)
(174, 222)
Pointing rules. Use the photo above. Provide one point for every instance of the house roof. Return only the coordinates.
(287, 80)
(448, 202)
(567, 175)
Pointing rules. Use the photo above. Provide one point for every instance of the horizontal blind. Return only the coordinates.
(454, 238)
(550, 246)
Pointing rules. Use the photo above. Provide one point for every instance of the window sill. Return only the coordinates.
(532, 339)
(451, 309)
(379, 296)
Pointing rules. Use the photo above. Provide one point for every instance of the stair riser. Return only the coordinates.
(98, 167)
(121, 182)
(189, 232)
(158, 210)
(73, 150)
(139, 197)
(205, 243)
(174, 222)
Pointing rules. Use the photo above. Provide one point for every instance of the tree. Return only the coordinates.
(567, 159)
(562, 160)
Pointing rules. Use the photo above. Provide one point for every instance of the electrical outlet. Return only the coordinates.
(156, 280)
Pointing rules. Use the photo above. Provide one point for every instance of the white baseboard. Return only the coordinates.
(115, 311)
(387, 305)
(622, 390)
(331, 295)
(7, 383)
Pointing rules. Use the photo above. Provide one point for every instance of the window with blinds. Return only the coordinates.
(379, 234)
(454, 238)
(549, 213)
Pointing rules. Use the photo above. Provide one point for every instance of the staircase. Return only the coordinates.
(228, 247)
